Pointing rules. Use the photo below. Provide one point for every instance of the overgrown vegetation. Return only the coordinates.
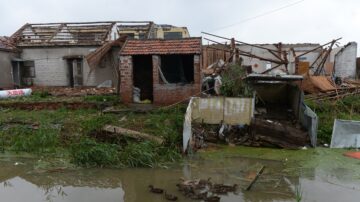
(77, 135)
(232, 83)
(87, 152)
(347, 108)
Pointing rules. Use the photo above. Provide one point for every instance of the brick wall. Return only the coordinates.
(126, 76)
(164, 94)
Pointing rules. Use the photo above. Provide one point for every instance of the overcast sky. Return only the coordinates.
(253, 21)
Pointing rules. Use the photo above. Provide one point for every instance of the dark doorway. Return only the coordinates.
(143, 76)
(75, 70)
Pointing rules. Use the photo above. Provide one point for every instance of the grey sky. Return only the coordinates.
(316, 21)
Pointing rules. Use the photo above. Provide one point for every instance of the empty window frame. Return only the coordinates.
(28, 69)
(142, 35)
(177, 69)
(129, 35)
(173, 35)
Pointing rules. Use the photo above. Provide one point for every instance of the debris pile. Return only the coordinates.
(261, 132)
(78, 91)
(199, 189)
(347, 87)
(49, 105)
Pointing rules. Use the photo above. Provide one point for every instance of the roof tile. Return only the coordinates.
(162, 46)
(7, 44)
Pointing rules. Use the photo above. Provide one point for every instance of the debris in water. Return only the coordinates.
(170, 197)
(155, 190)
(256, 177)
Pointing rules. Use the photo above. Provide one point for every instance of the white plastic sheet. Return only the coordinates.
(187, 133)
(15, 93)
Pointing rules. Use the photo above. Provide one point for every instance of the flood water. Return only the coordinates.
(21, 182)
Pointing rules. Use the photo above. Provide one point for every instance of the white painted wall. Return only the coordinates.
(259, 66)
(51, 69)
(345, 61)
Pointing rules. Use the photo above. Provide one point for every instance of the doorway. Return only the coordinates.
(143, 76)
(75, 70)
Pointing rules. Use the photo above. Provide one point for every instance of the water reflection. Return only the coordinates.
(22, 183)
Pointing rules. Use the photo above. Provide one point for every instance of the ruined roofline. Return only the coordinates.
(68, 33)
(286, 45)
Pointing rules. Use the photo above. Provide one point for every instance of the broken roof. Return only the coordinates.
(162, 46)
(78, 33)
(7, 44)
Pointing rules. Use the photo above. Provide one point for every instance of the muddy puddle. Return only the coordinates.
(20, 182)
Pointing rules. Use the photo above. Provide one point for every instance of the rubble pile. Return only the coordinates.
(77, 91)
(49, 105)
(261, 133)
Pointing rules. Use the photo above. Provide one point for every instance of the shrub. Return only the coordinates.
(232, 83)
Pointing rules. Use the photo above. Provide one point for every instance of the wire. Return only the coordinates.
(260, 15)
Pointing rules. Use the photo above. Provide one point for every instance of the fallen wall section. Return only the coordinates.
(217, 110)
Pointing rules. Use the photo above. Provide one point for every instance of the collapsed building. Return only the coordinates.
(73, 54)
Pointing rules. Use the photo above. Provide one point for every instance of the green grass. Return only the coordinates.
(88, 152)
(77, 135)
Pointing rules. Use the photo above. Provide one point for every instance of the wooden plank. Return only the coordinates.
(256, 177)
(132, 134)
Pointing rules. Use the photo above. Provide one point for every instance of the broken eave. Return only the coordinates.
(37, 45)
(266, 77)
(162, 46)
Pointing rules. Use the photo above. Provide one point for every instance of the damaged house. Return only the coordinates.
(294, 59)
(73, 54)
(8, 51)
(162, 71)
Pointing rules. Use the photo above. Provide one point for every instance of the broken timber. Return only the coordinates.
(132, 134)
(283, 135)
(256, 177)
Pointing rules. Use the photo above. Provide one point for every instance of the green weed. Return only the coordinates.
(327, 111)
(90, 153)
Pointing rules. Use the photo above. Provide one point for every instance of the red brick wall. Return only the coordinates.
(164, 94)
(126, 76)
